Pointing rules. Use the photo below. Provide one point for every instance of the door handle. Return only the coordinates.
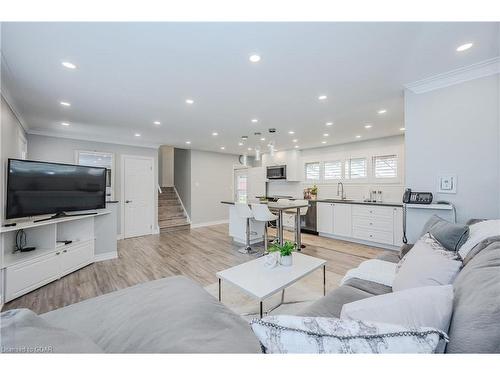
(127, 201)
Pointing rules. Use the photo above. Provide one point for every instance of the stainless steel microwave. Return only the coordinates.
(276, 172)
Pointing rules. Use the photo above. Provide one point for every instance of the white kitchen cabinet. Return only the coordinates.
(398, 226)
(289, 158)
(324, 217)
(363, 222)
(342, 223)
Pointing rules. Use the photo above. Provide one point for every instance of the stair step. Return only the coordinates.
(164, 223)
(170, 209)
(175, 228)
(169, 215)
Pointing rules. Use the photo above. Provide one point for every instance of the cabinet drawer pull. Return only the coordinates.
(65, 251)
(371, 223)
(58, 253)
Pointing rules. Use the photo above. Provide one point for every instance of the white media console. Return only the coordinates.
(93, 238)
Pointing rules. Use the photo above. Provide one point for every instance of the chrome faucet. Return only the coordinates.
(340, 185)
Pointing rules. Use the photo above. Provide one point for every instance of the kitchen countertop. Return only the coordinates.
(386, 204)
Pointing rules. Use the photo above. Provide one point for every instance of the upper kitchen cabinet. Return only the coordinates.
(291, 159)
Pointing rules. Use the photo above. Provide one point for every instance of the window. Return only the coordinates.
(241, 188)
(355, 168)
(312, 171)
(385, 166)
(333, 170)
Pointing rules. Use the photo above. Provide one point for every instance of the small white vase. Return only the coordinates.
(286, 260)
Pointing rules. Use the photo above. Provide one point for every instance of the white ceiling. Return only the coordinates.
(131, 74)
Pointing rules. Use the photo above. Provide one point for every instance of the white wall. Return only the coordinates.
(182, 176)
(166, 166)
(455, 130)
(211, 182)
(355, 189)
(62, 150)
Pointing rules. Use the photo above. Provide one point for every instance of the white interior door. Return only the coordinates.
(138, 196)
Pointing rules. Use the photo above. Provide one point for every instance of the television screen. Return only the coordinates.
(38, 188)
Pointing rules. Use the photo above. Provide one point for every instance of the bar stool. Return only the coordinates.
(289, 216)
(246, 213)
(262, 213)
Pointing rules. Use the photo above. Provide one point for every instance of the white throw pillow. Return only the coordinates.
(429, 306)
(296, 334)
(479, 232)
(424, 266)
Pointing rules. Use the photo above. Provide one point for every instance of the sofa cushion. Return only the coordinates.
(426, 265)
(474, 326)
(314, 335)
(171, 315)
(479, 232)
(430, 306)
(23, 331)
(330, 306)
(451, 236)
(368, 286)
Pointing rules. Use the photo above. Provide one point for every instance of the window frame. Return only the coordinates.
(326, 180)
(319, 171)
(347, 169)
(390, 178)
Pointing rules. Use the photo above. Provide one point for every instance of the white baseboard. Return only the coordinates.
(105, 256)
(119, 237)
(156, 230)
(209, 223)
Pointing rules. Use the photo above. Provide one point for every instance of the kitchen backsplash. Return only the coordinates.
(390, 192)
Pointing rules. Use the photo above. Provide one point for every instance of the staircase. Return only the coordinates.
(171, 215)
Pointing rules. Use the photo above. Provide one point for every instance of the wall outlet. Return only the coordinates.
(447, 184)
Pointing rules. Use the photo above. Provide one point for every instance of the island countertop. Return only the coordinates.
(344, 201)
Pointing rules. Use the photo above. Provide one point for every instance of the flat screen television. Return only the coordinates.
(39, 188)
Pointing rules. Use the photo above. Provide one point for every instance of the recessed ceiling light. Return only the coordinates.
(249, 149)
(368, 126)
(464, 47)
(296, 146)
(157, 122)
(66, 104)
(215, 134)
(358, 136)
(189, 101)
(254, 58)
(291, 132)
(381, 111)
(323, 142)
(326, 135)
(402, 129)
(240, 143)
(65, 123)
(255, 120)
(322, 97)
(137, 134)
(329, 123)
(222, 148)
(188, 142)
(262, 139)
(68, 65)
(295, 140)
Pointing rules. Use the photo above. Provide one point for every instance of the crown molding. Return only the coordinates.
(92, 139)
(481, 69)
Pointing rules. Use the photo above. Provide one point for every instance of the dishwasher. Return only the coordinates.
(308, 221)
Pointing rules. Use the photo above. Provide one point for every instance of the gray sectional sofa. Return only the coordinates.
(175, 315)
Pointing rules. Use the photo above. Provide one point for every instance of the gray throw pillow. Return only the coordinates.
(450, 235)
(22, 331)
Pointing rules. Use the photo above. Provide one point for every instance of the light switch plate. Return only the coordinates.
(447, 184)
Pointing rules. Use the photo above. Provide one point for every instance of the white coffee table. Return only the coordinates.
(260, 282)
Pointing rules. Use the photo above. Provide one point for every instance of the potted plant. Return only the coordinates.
(285, 251)
(314, 192)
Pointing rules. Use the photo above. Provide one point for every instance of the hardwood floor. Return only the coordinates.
(196, 253)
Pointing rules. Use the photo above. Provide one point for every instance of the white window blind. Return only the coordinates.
(312, 171)
(385, 166)
(355, 168)
(333, 170)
